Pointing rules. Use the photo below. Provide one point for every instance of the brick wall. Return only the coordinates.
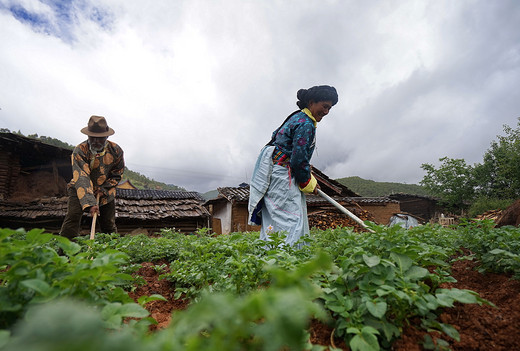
(382, 213)
(239, 217)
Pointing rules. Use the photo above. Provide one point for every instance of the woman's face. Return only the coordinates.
(319, 109)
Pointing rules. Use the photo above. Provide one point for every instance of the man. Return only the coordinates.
(97, 167)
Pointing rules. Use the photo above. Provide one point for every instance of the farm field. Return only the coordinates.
(480, 327)
(425, 288)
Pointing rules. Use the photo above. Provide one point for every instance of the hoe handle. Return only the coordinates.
(343, 209)
(93, 228)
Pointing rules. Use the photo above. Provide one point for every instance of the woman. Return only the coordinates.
(282, 173)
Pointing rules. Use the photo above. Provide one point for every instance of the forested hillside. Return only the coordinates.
(143, 182)
(366, 187)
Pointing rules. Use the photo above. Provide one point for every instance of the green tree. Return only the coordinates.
(56, 142)
(492, 184)
(452, 182)
(499, 174)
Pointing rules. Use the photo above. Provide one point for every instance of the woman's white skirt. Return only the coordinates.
(284, 208)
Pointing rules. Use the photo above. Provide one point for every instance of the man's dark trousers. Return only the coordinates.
(72, 223)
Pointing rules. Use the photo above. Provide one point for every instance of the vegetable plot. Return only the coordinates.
(246, 294)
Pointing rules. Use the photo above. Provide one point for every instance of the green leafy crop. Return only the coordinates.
(245, 294)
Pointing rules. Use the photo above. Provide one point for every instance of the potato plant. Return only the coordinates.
(248, 294)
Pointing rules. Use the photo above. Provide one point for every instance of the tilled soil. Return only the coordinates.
(159, 310)
(480, 327)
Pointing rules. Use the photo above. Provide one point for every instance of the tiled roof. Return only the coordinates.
(401, 196)
(315, 199)
(238, 194)
(43, 208)
(130, 204)
(242, 194)
(159, 208)
(158, 194)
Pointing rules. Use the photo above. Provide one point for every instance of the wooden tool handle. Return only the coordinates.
(344, 210)
(93, 228)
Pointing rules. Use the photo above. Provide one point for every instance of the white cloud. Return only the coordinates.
(195, 88)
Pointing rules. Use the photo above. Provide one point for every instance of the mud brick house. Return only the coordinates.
(229, 210)
(30, 168)
(33, 182)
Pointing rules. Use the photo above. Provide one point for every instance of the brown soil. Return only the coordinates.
(159, 310)
(480, 327)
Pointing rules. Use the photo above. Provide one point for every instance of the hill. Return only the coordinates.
(365, 187)
(143, 182)
(212, 194)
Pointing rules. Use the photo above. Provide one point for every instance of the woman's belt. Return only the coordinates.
(281, 159)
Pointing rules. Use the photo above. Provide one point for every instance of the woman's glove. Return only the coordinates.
(309, 186)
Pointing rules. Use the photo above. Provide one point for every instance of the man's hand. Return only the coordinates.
(94, 209)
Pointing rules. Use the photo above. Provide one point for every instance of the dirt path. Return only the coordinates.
(481, 327)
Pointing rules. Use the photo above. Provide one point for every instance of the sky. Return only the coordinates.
(194, 89)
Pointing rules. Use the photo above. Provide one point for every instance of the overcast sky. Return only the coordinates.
(195, 88)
